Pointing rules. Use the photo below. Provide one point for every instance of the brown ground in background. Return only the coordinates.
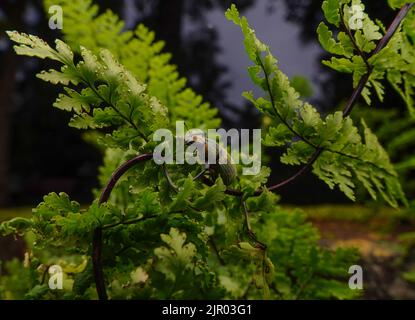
(383, 256)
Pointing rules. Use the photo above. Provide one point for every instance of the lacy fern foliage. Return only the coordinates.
(347, 157)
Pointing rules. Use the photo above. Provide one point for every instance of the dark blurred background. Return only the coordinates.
(39, 153)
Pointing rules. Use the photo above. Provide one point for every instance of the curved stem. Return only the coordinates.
(304, 169)
(106, 192)
(97, 236)
(251, 234)
(393, 27)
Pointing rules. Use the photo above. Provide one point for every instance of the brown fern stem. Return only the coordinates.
(97, 236)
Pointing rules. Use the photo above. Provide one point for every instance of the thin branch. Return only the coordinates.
(304, 169)
(127, 222)
(251, 234)
(216, 250)
(97, 236)
(393, 27)
(356, 93)
(169, 180)
(106, 192)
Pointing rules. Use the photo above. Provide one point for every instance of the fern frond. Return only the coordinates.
(104, 95)
(140, 53)
(348, 156)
